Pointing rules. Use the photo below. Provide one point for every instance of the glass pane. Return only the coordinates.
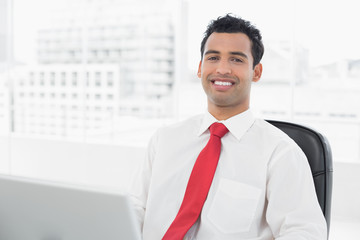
(84, 69)
(329, 96)
(5, 99)
(89, 67)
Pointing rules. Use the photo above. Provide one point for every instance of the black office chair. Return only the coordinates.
(318, 152)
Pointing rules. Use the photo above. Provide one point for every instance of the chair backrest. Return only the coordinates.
(318, 152)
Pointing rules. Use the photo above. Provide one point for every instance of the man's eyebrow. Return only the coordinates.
(240, 54)
(211, 52)
(231, 53)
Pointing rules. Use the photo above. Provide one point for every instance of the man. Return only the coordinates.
(262, 187)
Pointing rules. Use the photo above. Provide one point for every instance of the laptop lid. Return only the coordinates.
(39, 210)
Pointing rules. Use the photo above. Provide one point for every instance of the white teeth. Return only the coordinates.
(222, 83)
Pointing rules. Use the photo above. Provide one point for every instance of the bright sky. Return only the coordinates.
(328, 28)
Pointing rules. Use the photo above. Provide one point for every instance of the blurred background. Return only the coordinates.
(85, 83)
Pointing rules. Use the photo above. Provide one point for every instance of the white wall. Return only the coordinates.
(94, 164)
(346, 192)
(4, 154)
(345, 211)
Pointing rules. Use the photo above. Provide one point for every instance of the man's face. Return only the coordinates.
(226, 71)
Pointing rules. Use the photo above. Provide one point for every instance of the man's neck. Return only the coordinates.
(223, 113)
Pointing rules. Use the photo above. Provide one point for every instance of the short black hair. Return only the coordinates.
(231, 24)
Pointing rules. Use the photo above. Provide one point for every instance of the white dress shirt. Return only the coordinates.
(262, 188)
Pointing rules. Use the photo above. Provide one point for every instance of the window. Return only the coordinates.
(98, 79)
(110, 80)
(42, 78)
(116, 61)
(63, 79)
(74, 79)
(52, 78)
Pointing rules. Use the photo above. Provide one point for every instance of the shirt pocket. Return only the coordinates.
(234, 206)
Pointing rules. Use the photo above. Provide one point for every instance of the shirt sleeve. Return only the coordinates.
(293, 210)
(140, 183)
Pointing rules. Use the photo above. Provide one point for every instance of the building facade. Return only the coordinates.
(98, 61)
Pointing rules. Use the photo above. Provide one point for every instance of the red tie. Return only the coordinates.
(198, 185)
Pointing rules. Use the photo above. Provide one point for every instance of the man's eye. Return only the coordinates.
(237, 60)
(212, 58)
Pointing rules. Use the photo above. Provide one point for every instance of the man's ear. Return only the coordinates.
(199, 70)
(257, 72)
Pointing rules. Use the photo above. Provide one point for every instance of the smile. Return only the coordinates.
(221, 83)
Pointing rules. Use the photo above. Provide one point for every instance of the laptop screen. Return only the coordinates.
(38, 210)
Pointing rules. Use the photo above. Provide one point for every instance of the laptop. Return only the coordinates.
(39, 210)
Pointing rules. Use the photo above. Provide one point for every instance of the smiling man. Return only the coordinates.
(225, 174)
(227, 71)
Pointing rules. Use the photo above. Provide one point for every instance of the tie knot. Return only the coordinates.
(218, 129)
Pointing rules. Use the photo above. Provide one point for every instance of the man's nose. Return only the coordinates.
(223, 68)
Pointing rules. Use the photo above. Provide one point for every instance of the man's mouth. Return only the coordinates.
(222, 83)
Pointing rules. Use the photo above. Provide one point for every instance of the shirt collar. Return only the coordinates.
(237, 124)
